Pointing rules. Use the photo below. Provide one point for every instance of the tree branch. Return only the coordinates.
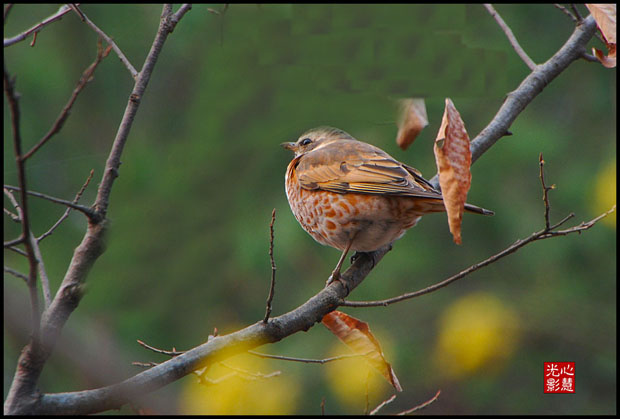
(87, 75)
(272, 285)
(110, 42)
(83, 209)
(68, 210)
(64, 9)
(511, 38)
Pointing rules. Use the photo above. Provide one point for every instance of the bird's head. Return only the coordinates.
(316, 138)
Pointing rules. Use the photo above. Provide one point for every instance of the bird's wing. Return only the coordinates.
(353, 166)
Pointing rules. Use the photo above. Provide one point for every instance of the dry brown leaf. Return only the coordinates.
(453, 159)
(605, 17)
(608, 60)
(357, 336)
(411, 122)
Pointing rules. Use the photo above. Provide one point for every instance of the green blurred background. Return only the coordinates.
(202, 170)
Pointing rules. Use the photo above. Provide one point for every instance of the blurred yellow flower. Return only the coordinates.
(351, 378)
(241, 385)
(476, 331)
(605, 193)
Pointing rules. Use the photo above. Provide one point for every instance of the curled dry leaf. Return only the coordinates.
(357, 336)
(605, 17)
(453, 159)
(411, 122)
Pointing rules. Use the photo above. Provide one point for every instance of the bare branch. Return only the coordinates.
(85, 78)
(576, 12)
(159, 351)
(45, 283)
(64, 9)
(382, 404)
(273, 268)
(567, 12)
(68, 210)
(13, 217)
(421, 406)
(545, 189)
(511, 38)
(109, 40)
(7, 9)
(16, 274)
(86, 210)
(306, 360)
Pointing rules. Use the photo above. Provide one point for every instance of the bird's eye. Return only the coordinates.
(305, 141)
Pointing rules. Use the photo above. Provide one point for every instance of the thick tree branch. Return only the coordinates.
(216, 349)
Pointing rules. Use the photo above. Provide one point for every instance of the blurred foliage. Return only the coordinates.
(202, 170)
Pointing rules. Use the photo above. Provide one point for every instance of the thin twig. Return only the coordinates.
(249, 375)
(13, 217)
(84, 209)
(45, 283)
(110, 42)
(68, 210)
(7, 9)
(63, 10)
(84, 78)
(381, 405)
(576, 12)
(546, 190)
(16, 273)
(306, 360)
(273, 268)
(421, 406)
(566, 12)
(511, 38)
(173, 352)
(17, 250)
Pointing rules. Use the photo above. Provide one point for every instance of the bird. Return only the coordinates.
(352, 195)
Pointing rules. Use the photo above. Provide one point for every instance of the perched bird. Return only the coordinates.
(351, 195)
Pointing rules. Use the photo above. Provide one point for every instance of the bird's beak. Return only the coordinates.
(289, 146)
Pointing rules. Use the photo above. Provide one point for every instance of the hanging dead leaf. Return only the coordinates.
(357, 336)
(608, 60)
(411, 122)
(605, 17)
(453, 159)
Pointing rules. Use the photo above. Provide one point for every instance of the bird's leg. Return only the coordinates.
(335, 276)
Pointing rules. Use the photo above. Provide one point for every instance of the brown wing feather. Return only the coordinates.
(354, 166)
